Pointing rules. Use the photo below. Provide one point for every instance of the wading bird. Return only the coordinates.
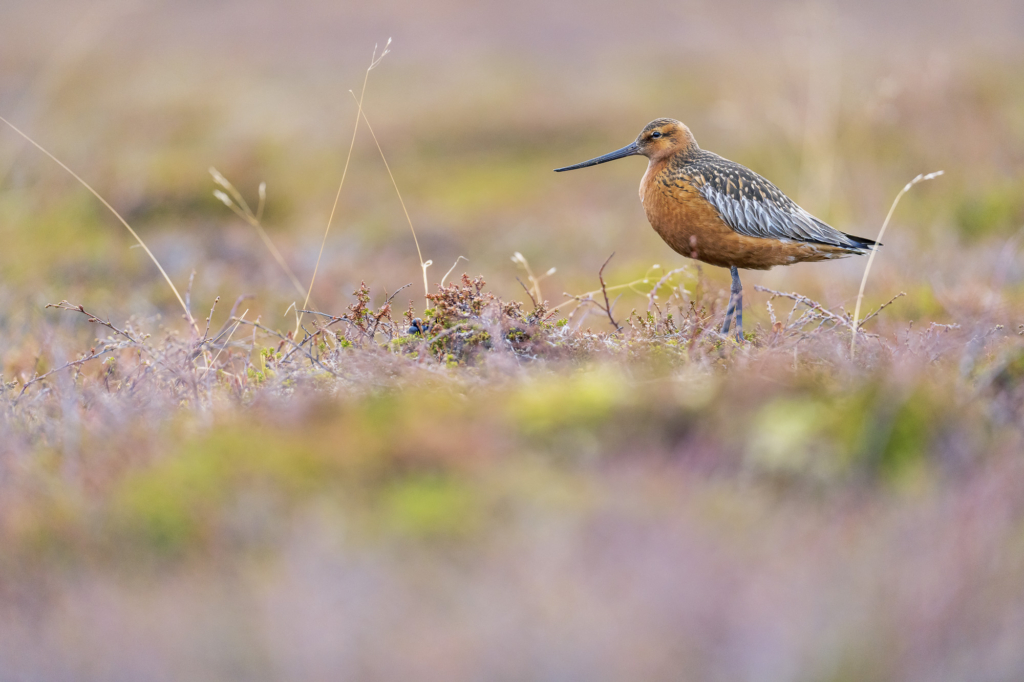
(717, 211)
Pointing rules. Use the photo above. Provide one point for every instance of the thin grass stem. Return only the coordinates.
(423, 264)
(188, 314)
(454, 265)
(855, 326)
(374, 61)
(237, 204)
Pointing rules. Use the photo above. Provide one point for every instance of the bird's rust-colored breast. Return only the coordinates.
(694, 228)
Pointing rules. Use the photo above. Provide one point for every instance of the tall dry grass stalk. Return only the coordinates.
(423, 264)
(233, 199)
(520, 260)
(188, 313)
(871, 258)
(452, 268)
(374, 61)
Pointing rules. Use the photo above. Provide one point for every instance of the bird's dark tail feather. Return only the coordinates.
(862, 242)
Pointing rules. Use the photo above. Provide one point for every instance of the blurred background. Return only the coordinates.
(838, 103)
(631, 508)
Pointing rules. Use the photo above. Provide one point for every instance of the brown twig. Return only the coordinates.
(604, 290)
(206, 334)
(528, 293)
(64, 305)
(385, 310)
(231, 315)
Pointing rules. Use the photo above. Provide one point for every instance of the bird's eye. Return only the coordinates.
(656, 134)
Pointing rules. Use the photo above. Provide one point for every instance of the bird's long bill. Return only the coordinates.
(628, 150)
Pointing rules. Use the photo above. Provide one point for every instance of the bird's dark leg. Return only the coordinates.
(728, 314)
(737, 291)
(735, 305)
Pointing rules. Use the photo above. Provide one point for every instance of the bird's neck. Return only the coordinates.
(684, 157)
(680, 154)
(686, 153)
(654, 167)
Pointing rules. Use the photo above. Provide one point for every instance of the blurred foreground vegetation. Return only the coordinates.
(495, 494)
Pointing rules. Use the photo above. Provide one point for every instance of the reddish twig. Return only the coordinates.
(604, 290)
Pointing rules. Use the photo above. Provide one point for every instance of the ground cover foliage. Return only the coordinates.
(488, 477)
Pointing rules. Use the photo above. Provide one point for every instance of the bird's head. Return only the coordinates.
(660, 139)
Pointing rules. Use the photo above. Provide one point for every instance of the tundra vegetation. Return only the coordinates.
(449, 437)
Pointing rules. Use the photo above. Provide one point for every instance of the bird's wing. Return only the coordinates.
(754, 207)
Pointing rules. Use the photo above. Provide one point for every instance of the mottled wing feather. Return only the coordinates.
(754, 207)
